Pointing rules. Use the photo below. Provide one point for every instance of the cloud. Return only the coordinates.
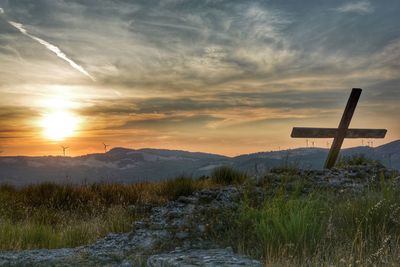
(52, 48)
(361, 7)
(1, 11)
(15, 121)
(199, 67)
(172, 122)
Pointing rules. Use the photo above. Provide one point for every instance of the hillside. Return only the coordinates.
(124, 165)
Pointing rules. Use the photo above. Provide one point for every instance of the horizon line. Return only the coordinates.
(203, 152)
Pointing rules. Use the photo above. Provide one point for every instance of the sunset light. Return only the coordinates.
(59, 125)
(132, 129)
(223, 77)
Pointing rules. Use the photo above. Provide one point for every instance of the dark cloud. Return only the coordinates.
(201, 43)
(216, 103)
(172, 122)
(10, 113)
(15, 122)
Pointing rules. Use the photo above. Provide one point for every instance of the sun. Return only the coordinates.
(59, 125)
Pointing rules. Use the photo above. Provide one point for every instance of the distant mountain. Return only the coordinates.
(124, 165)
(117, 165)
(314, 158)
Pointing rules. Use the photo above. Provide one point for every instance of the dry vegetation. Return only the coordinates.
(55, 216)
(323, 228)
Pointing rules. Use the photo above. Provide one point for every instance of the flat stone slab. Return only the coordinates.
(201, 257)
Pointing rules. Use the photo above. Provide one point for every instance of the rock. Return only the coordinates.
(201, 228)
(348, 179)
(184, 199)
(139, 209)
(201, 257)
(125, 264)
(205, 195)
(182, 235)
(38, 257)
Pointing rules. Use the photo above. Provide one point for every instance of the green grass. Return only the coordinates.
(289, 228)
(355, 160)
(181, 186)
(320, 229)
(71, 229)
(227, 175)
(55, 216)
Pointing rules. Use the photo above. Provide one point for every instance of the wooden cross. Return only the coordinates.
(340, 133)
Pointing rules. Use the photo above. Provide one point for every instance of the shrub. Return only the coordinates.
(181, 186)
(227, 175)
(356, 160)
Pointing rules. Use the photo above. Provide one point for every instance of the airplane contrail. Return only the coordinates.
(50, 47)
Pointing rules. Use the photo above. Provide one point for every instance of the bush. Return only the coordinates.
(181, 186)
(356, 160)
(226, 175)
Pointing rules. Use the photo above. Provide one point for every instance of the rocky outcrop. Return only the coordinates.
(198, 257)
(353, 179)
(178, 223)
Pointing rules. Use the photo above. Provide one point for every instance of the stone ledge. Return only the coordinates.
(201, 257)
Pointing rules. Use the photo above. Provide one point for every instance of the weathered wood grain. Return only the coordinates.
(340, 133)
(308, 132)
(343, 126)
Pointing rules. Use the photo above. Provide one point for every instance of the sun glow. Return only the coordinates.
(59, 125)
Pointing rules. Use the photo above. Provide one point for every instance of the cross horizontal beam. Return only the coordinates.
(307, 132)
(342, 132)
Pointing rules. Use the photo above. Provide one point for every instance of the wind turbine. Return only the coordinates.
(105, 147)
(64, 148)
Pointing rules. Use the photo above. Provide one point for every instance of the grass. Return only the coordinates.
(320, 229)
(226, 175)
(355, 160)
(55, 216)
(70, 230)
(181, 186)
(288, 228)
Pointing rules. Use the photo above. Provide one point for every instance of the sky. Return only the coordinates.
(226, 77)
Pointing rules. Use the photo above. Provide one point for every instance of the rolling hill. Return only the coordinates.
(123, 165)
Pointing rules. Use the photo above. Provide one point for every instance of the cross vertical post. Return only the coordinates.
(343, 126)
(339, 134)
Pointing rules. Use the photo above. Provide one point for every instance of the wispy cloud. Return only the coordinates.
(361, 7)
(52, 48)
(208, 73)
(1, 11)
